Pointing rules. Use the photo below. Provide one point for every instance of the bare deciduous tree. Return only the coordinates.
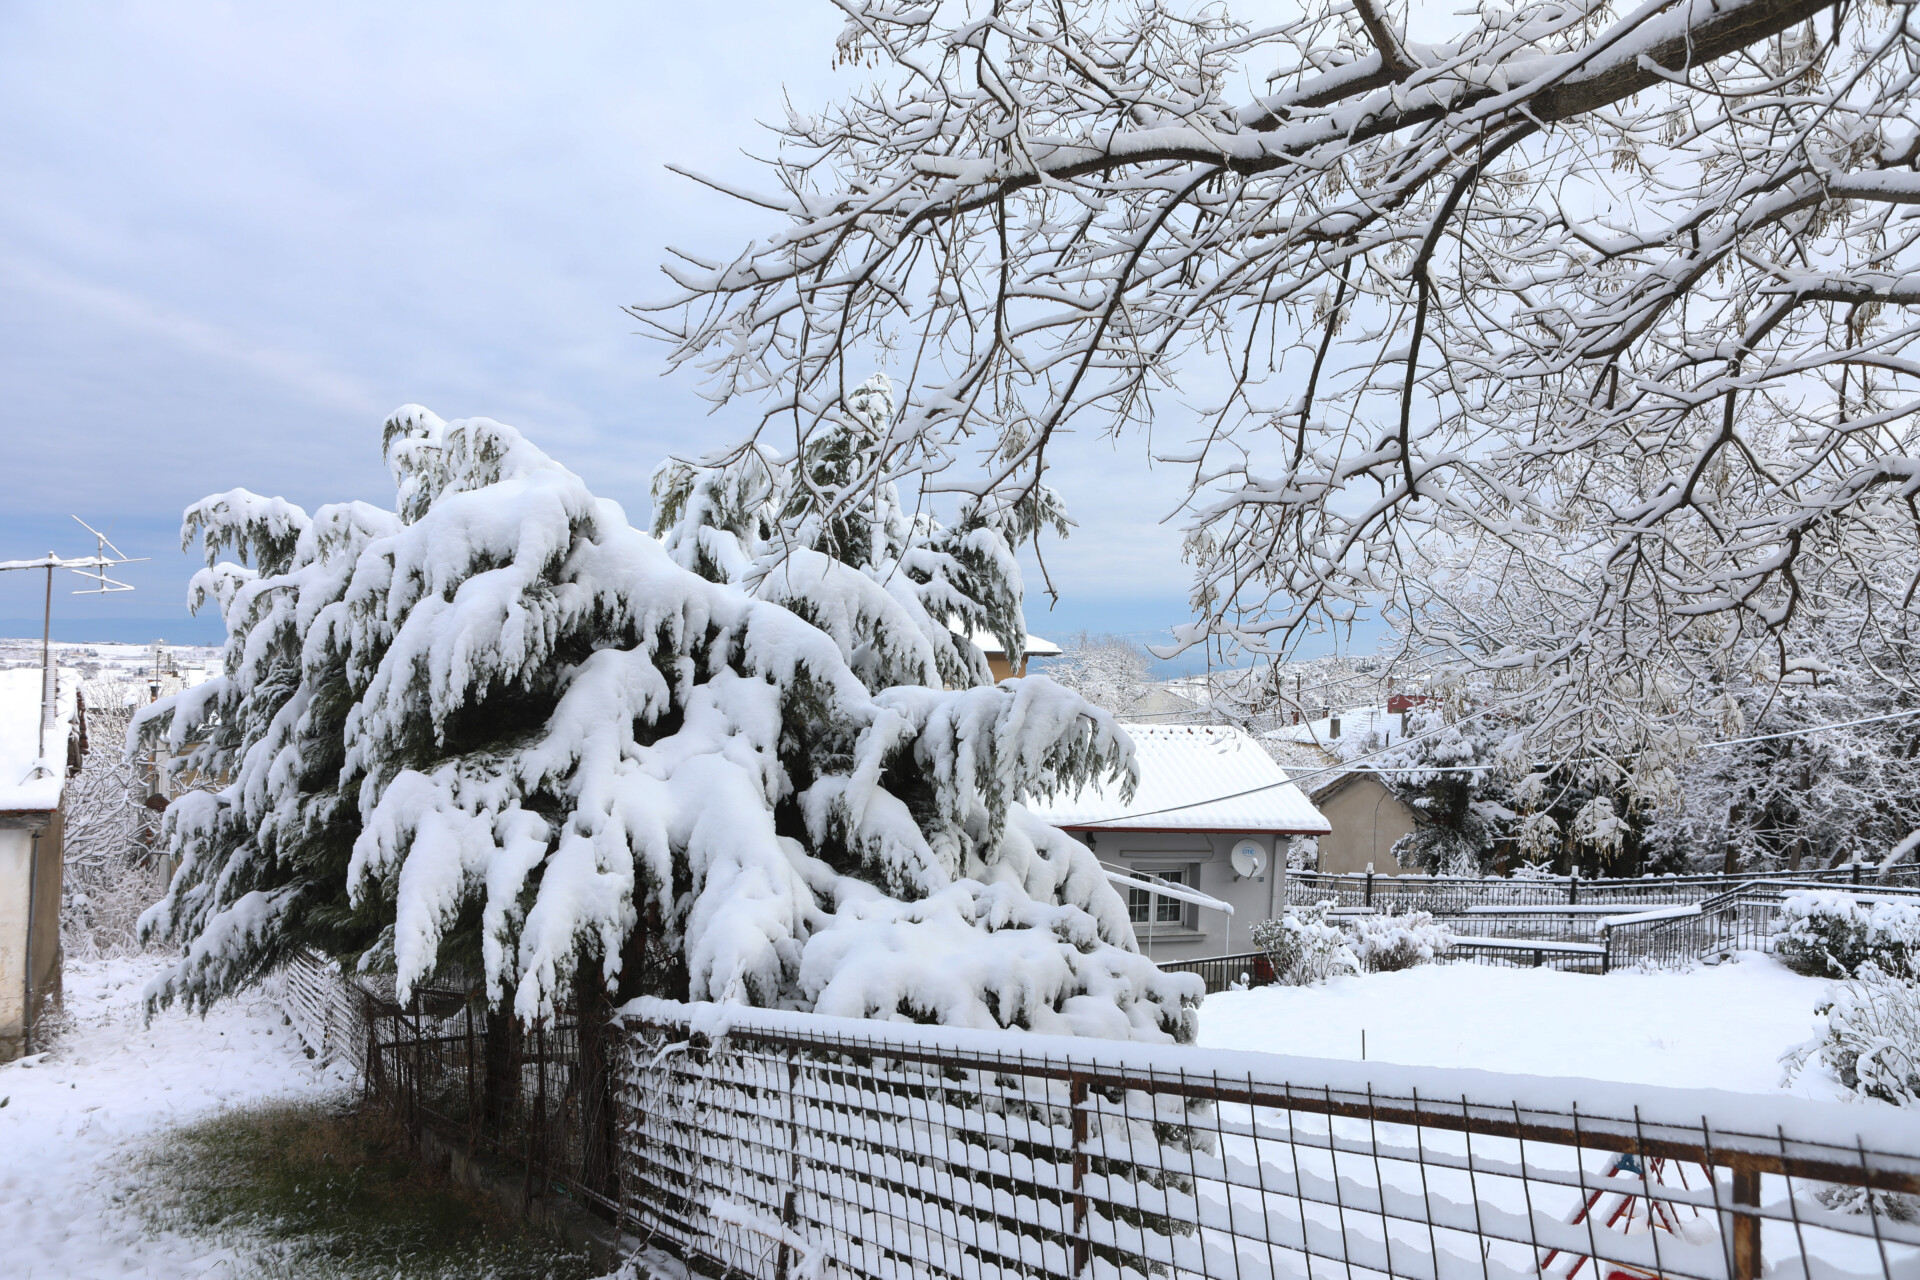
(1612, 311)
(111, 872)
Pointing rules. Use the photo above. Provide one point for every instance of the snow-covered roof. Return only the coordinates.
(1353, 720)
(1036, 647)
(20, 790)
(1193, 778)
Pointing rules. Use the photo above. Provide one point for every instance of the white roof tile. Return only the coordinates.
(1193, 778)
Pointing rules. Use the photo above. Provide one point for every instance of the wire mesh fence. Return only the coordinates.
(780, 1145)
(520, 1096)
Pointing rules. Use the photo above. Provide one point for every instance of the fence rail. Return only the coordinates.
(780, 1145)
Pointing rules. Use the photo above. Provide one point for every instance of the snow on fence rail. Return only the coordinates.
(780, 1145)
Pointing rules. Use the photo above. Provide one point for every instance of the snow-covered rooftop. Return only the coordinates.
(1353, 720)
(1194, 778)
(1036, 647)
(20, 790)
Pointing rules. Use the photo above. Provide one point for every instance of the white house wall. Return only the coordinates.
(16, 849)
(17, 846)
(1253, 899)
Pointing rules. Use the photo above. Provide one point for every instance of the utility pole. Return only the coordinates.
(94, 568)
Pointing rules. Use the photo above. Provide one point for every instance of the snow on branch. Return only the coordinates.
(1608, 313)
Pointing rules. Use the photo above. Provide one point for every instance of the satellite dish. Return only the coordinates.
(1248, 859)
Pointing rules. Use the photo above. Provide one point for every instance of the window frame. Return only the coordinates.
(1186, 915)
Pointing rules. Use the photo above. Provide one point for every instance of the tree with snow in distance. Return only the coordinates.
(1106, 670)
(1616, 304)
(499, 729)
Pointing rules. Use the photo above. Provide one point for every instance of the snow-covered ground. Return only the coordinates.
(76, 1119)
(1723, 1027)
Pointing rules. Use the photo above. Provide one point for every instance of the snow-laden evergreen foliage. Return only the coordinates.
(498, 727)
(825, 534)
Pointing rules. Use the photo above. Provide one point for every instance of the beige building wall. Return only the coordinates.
(1366, 820)
(19, 850)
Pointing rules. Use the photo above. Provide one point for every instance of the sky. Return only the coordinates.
(233, 237)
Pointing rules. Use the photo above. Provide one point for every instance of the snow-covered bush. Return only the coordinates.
(1831, 934)
(1304, 947)
(1386, 944)
(499, 728)
(1872, 1040)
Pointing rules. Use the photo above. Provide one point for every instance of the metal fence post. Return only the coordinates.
(1077, 1099)
(1746, 1227)
(1369, 901)
(790, 1205)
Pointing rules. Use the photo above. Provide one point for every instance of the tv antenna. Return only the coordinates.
(94, 569)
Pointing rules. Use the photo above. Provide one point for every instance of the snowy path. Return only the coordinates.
(1723, 1027)
(75, 1121)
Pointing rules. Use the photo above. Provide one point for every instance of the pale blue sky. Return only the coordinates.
(233, 236)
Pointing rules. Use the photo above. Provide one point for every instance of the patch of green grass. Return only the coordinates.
(329, 1192)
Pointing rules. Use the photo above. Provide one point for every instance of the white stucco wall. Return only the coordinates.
(1212, 934)
(16, 848)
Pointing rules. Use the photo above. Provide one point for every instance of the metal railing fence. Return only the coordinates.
(1586, 938)
(1743, 918)
(1455, 895)
(781, 1145)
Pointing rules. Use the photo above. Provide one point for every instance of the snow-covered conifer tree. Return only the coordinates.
(498, 727)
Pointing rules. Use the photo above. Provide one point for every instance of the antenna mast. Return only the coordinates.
(94, 568)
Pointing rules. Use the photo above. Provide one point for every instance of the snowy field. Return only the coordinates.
(1723, 1027)
(75, 1120)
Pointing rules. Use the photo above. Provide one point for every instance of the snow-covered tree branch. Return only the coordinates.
(499, 728)
(1613, 307)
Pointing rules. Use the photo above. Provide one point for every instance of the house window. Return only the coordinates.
(1145, 907)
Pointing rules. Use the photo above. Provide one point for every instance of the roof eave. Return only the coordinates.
(1212, 831)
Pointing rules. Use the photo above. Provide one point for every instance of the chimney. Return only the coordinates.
(1333, 727)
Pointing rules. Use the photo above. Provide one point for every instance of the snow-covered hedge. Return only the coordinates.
(1830, 934)
(1384, 944)
(500, 728)
(1872, 1040)
(1304, 947)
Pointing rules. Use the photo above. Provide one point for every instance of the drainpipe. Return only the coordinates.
(1276, 870)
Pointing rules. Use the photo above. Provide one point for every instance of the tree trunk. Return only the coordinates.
(593, 1012)
(500, 1054)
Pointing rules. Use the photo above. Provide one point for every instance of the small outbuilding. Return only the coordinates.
(996, 654)
(1367, 817)
(1211, 820)
(32, 823)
